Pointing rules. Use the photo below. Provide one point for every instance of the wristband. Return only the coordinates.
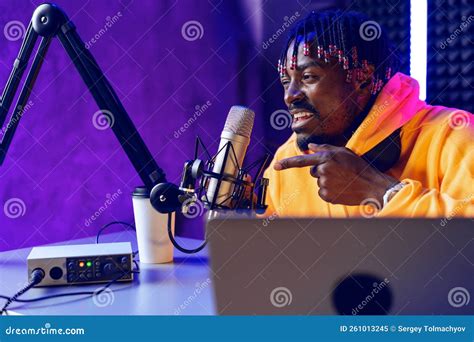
(391, 192)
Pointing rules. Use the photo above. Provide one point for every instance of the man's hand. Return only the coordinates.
(343, 177)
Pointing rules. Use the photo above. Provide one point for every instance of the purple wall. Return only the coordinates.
(61, 169)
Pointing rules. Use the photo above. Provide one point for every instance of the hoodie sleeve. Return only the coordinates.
(449, 172)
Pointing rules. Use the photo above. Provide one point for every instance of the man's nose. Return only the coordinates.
(293, 94)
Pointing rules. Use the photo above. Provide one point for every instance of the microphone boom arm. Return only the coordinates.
(49, 21)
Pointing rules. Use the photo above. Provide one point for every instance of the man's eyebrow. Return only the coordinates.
(308, 65)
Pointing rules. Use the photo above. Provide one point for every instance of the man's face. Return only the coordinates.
(322, 104)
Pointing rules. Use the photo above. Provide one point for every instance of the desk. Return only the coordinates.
(183, 287)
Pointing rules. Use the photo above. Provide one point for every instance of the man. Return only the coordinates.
(363, 142)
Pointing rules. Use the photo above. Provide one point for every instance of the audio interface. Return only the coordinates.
(82, 264)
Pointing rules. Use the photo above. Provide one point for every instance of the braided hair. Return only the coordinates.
(351, 38)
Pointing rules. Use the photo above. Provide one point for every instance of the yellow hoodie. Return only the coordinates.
(436, 161)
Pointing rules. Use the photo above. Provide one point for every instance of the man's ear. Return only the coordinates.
(362, 85)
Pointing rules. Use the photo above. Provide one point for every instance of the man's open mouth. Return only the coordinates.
(301, 118)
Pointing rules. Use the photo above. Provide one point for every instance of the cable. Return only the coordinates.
(137, 266)
(170, 234)
(67, 294)
(175, 243)
(128, 225)
(35, 278)
(110, 224)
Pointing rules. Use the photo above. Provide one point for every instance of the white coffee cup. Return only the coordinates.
(154, 245)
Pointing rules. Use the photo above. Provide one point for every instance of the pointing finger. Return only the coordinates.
(302, 161)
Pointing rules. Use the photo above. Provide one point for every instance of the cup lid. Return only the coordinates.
(141, 191)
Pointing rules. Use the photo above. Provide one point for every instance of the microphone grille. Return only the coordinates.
(240, 121)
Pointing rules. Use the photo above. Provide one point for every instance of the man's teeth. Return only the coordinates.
(302, 115)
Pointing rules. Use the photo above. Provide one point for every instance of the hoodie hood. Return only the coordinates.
(396, 104)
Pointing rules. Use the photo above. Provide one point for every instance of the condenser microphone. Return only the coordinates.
(236, 137)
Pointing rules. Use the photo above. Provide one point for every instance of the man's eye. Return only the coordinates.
(285, 81)
(309, 77)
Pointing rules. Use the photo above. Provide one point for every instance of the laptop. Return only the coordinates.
(316, 266)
